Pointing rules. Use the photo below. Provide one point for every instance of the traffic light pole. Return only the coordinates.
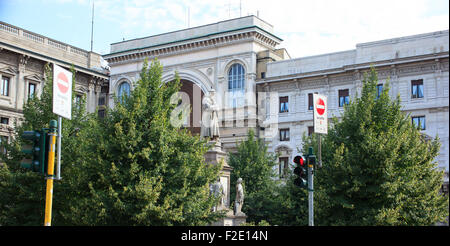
(310, 195)
(50, 172)
(58, 165)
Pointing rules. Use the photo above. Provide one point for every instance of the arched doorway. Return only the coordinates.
(195, 94)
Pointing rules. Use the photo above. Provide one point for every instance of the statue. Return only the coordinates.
(239, 198)
(210, 118)
(217, 190)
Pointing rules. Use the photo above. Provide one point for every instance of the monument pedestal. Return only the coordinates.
(230, 219)
(216, 156)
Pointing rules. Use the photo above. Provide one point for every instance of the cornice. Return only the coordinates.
(254, 34)
(354, 67)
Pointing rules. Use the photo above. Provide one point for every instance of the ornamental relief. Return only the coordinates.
(308, 84)
(34, 65)
(9, 58)
(444, 66)
(341, 79)
(416, 69)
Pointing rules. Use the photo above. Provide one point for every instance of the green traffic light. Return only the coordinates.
(31, 135)
(36, 152)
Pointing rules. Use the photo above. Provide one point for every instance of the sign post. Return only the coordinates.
(62, 106)
(62, 103)
(320, 120)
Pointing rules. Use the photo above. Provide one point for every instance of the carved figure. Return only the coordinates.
(210, 118)
(239, 197)
(217, 190)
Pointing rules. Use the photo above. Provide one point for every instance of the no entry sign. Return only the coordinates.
(320, 114)
(62, 92)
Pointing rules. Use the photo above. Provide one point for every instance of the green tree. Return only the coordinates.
(378, 169)
(131, 168)
(22, 193)
(255, 166)
(143, 170)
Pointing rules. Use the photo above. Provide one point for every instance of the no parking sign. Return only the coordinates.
(62, 92)
(320, 114)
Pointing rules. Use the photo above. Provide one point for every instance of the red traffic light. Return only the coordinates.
(299, 160)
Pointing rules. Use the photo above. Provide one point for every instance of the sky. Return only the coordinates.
(308, 27)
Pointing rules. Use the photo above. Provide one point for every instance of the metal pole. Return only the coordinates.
(310, 195)
(319, 163)
(58, 169)
(92, 27)
(50, 170)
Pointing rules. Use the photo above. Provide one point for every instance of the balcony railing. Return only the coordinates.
(24, 34)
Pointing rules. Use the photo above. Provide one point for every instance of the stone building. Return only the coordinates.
(224, 57)
(23, 56)
(417, 68)
(258, 86)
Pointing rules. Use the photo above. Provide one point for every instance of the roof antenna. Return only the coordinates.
(92, 26)
(240, 8)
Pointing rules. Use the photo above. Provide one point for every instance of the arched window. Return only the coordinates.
(236, 77)
(236, 85)
(124, 90)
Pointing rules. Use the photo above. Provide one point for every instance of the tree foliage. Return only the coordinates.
(255, 166)
(378, 169)
(131, 168)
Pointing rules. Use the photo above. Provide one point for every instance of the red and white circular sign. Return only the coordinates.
(62, 92)
(62, 82)
(320, 106)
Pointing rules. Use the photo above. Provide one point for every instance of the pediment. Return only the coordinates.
(9, 70)
(34, 77)
(81, 89)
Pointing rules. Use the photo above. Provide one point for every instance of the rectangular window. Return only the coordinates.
(310, 101)
(284, 104)
(417, 88)
(104, 89)
(77, 101)
(419, 122)
(284, 134)
(31, 90)
(379, 90)
(3, 141)
(101, 113)
(5, 120)
(5, 86)
(101, 101)
(310, 130)
(343, 97)
(283, 166)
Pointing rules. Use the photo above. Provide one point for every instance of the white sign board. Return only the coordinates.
(62, 92)
(320, 114)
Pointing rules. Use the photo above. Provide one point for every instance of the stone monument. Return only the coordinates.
(210, 118)
(216, 156)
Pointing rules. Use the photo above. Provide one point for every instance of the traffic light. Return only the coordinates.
(301, 172)
(35, 151)
(311, 158)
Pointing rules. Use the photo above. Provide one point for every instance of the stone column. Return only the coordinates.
(19, 88)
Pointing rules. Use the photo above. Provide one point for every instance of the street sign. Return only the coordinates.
(62, 92)
(320, 114)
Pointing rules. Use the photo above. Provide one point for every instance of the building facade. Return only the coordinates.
(224, 57)
(258, 86)
(23, 56)
(417, 68)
